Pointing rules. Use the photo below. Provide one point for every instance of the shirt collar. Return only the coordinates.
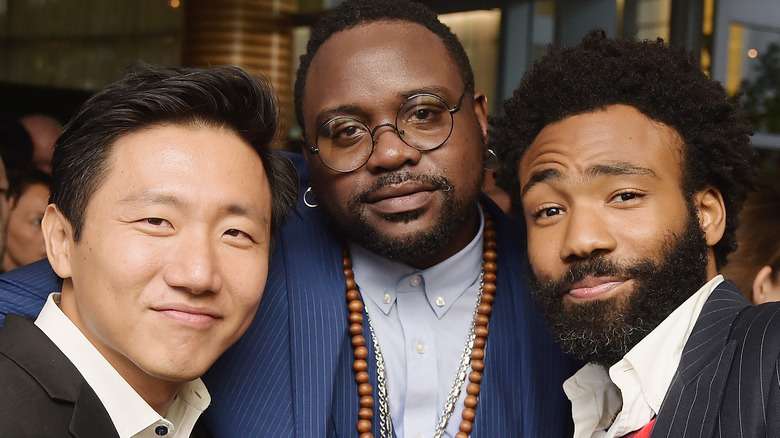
(380, 279)
(633, 389)
(128, 411)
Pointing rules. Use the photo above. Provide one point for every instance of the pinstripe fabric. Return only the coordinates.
(24, 290)
(727, 383)
(291, 374)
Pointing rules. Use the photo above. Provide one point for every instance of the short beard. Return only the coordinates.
(603, 331)
(421, 244)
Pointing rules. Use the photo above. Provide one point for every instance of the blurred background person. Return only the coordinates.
(16, 146)
(28, 195)
(15, 155)
(44, 131)
(755, 266)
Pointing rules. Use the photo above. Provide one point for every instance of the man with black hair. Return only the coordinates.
(630, 168)
(393, 306)
(165, 198)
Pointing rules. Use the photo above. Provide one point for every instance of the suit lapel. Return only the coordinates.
(692, 403)
(90, 418)
(58, 377)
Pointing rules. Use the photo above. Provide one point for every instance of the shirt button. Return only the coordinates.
(415, 281)
(161, 430)
(386, 298)
(440, 301)
(420, 347)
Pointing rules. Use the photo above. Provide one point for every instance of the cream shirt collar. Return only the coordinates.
(639, 381)
(130, 413)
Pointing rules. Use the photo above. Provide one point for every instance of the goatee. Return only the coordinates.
(603, 331)
(424, 243)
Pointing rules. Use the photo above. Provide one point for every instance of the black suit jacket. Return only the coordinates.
(727, 384)
(42, 394)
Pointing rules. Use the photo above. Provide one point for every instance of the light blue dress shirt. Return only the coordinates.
(421, 319)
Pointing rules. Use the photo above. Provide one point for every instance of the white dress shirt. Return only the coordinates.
(421, 319)
(131, 415)
(632, 391)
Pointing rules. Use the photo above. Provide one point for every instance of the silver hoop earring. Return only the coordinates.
(492, 160)
(310, 204)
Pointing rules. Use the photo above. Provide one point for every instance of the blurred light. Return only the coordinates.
(752, 53)
(175, 3)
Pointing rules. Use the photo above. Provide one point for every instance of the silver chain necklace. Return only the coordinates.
(385, 422)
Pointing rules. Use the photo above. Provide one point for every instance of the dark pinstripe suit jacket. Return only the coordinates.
(727, 384)
(291, 376)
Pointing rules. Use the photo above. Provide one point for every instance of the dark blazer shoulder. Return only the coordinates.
(753, 387)
(44, 394)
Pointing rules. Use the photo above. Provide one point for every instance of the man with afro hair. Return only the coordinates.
(392, 306)
(629, 166)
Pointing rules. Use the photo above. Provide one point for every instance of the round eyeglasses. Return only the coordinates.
(424, 122)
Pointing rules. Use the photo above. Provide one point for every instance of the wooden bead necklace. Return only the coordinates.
(475, 345)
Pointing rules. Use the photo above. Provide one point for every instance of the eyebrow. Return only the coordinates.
(614, 168)
(330, 113)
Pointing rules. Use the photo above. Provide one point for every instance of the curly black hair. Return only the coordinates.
(665, 83)
(352, 13)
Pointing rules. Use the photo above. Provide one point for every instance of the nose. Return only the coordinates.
(193, 266)
(390, 151)
(587, 234)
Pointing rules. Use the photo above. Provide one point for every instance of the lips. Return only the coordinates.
(593, 287)
(187, 314)
(401, 197)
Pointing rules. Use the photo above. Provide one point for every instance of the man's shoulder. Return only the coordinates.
(41, 391)
(26, 406)
(26, 347)
(24, 290)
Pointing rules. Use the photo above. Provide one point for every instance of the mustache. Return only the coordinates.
(597, 266)
(437, 181)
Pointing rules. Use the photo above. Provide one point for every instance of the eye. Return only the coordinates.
(548, 212)
(421, 115)
(155, 221)
(343, 132)
(626, 196)
(233, 232)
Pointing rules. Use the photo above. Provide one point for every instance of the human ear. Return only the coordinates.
(712, 214)
(481, 111)
(765, 289)
(58, 236)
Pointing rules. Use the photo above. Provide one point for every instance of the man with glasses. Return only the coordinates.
(394, 305)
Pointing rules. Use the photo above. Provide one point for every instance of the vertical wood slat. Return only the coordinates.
(253, 34)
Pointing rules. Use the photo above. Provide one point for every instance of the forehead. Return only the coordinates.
(377, 62)
(181, 155)
(618, 135)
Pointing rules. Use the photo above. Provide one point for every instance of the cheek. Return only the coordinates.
(245, 278)
(543, 251)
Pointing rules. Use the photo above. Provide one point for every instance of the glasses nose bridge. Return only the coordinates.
(382, 125)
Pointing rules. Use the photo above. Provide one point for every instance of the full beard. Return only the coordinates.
(603, 331)
(420, 244)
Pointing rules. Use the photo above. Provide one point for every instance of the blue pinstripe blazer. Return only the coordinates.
(291, 374)
(728, 382)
